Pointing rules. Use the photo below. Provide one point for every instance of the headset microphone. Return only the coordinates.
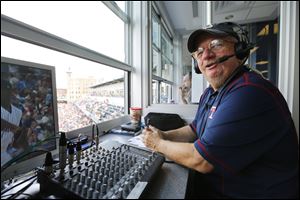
(220, 60)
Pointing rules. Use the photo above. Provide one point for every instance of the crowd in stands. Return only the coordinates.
(82, 113)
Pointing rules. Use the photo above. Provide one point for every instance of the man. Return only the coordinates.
(10, 119)
(185, 89)
(244, 139)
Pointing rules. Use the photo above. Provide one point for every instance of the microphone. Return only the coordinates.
(220, 60)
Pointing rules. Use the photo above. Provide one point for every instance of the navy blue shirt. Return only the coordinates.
(246, 132)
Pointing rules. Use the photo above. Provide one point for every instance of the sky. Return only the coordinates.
(89, 24)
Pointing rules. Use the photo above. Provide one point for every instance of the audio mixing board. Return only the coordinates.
(113, 171)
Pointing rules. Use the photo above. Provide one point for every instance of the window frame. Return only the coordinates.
(163, 32)
(21, 31)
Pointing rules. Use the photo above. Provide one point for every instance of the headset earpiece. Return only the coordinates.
(196, 68)
(242, 50)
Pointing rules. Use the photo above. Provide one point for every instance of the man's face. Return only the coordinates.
(5, 93)
(214, 48)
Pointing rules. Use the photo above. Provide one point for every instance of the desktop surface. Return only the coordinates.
(170, 180)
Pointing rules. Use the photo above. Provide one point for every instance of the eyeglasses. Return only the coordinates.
(214, 46)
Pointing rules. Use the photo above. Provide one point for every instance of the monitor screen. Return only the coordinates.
(28, 115)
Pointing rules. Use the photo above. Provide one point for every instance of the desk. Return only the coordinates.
(169, 183)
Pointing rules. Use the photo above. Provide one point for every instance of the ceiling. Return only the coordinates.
(185, 16)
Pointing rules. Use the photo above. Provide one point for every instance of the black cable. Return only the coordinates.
(20, 157)
(22, 190)
(28, 151)
(19, 194)
(8, 189)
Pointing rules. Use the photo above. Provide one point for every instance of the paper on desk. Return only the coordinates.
(137, 141)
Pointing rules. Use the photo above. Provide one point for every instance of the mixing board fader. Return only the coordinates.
(113, 171)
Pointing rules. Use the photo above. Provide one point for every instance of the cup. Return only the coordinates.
(135, 116)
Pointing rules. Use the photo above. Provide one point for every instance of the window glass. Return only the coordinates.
(167, 69)
(155, 63)
(165, 93)
(87, 92)
(87, 23)
(155, 32)
(166, 46)
(162, 62)
(154, 91)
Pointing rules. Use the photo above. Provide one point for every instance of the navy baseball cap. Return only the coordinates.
(221, 29)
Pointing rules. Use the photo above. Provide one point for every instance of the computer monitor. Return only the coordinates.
(29, 120)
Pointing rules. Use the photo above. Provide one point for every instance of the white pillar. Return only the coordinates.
(288, 80)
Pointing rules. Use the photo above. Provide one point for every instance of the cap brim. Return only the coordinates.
(194, 37)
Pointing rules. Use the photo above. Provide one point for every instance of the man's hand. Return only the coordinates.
(152, 137)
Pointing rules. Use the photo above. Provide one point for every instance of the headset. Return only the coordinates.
(241, 48)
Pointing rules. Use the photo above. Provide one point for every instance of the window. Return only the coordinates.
(162, 62)
(91, 87)
(82, 22)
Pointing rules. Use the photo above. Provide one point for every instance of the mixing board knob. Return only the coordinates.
(82, 180)
(105, 178)
(68, 183)
(100, 177)
(122, 171)
(90, 173)
(107, 166)
(103, 189)
(93, 183)
(79, 188)
(127, 167)
(95, 194)
(86, 172)
(131, 182)
(118, 193)
(140, 171)
(88, 181)
(111, 173)
(74, 184)
(102, 170)
(96, 174)
(98, 185)
(125, 191)
(84, 190)
(71, 172)
(90, 193)
(110, 182)
(136, 176)
(112, 167)
(113, 161)
(116, 177)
